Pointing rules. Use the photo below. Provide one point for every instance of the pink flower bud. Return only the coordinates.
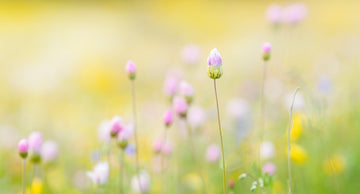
(266, 49)
(171, 82)
(191, 54)
(269, 168)
(116, 126)
(186, 90)
(49, 151)
(167, 148)
(231, 183)
(23, 147)
(214, 62)
(274, 14)
(168, 117)
(213, 153)
(131, 69)
(35, 141)
(180, 106)
(124, 136)
(157, 146)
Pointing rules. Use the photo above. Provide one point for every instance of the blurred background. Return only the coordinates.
(62, 72)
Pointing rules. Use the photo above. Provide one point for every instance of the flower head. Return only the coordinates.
(23, 148)
(116, 126)
(131, 69)
(180, 106)
(167, 148)
(157, 146)
(35, 141)
(214, 62)
(168, 117)
(171, 83)
(274, 14)
(267, 150)
(269, 168)
(191, 54)
(124, 136)
(100, 173)
(295, 13)
(213, 153)
(49, 151)
(187, 91)
(144, 182)
(266, 49)
(196, 116)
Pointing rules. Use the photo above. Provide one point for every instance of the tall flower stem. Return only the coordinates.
(193, 152)
(121, 159)
(263, 120)
(162, 160)
(135, 133)
(289, 129)
(24, 176)
(221, 139)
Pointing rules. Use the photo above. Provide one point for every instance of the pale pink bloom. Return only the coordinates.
(266, 47)
(238, 108)
(267, 150)
(23, 146)
(116, 126)
(213, 153)
(126, 133)
(100, 173)
(196, 116)
(295, 13)
(180, 106)
(35, 141)
(49, 151)
(191, 54)
(167, 148)
(104, 131)
(168, 117)
(214, 58)
(157, 145)
(274, 14)
(269, 168)
(186, 90)
(144, 182)
(171, 82)
(130, 69)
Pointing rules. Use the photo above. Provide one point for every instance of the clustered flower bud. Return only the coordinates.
(131, 69)
(124, 136)
(187, 91)
(214, 64)
(266, 49)
(168, 118)
(23, 148)
(180, 106)
(116, 126)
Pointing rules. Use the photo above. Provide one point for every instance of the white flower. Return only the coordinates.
(49, 151)
(144, 182)
(100, 173)
(267, 150)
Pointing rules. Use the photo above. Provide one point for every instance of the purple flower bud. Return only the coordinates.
(23, 148)
(116, 126)
(180, 106)
(35, 141)
(213, 153)
(214, 64)
(168, 117)
(131, 69)
(274, 14)
(266, 49)
(124, 136)
(269, 168)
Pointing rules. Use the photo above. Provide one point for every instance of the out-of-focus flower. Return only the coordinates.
(269, 168)
(23, 148)
(298, 154)
(193, 182)
(231, 183)
(125, 135)
(35, 141)
(295, 13)
(187, 91)
(335, 165)
(266, 50)
(100, 173)
(238, 108)
(213, 153)
(214, 62)
(144, 182)
(131, 69)
(171, 83)
(116, 126)
(274, 14)
(130, 149)
(191, 54)
(267, 150)
(157, 146)
(324, 85)
(167, 148)
(168, 117)
(297, 127)
(196, 116)
(104, 131)
(242, 176)
(36, 186)
(180, 106)
(49, 151)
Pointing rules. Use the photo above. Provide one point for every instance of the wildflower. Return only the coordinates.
(274, 14)
(168, 117)
(180, 106)
(196, 116)
(167, 148)
(116, 126)
(267, 150)
(171, 83)
(100, 173)
(124, 136)
(269, 168)
(295, 13)
(266, 49)
(335, 165)
(193, 182)
(214, 62)
(298, 154)
(157, 146)
(49, 151)
(242, 176)
(231, 183)
(23, 148)
(131, 69)
(36, 186)
(191, 54)
(35, 141)
(213, 153)
(144, 182)
(187, 91)
(297, 127)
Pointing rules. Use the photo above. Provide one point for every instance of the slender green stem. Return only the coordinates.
(262, 131)
(162, 160)
(221, 139)
(24, 176)
(121, 170)
(289, 129)
(135, 133)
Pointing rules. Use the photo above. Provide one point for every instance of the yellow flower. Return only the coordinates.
(193, 182)
(36, 186)
(298, 154)
(335, 165)
(297, 127)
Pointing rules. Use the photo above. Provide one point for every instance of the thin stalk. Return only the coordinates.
(122, 171)
(135, 133)
(193, 152)
(221, 139)
(262, 110)
(162, 160)
(289, 129)
(24, 176)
